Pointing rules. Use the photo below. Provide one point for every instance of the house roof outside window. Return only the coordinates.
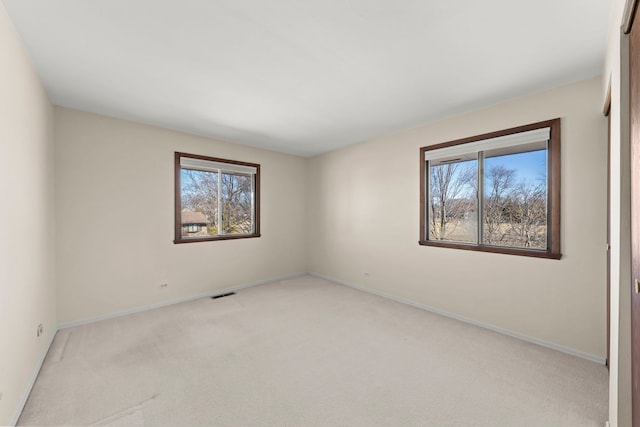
(190, 217)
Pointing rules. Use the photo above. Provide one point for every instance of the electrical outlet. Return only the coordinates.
(164, 286)
(40, 330)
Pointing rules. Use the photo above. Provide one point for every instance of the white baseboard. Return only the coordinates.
(540, 342)
(34, 376)
(176, 301)
(32, 381)
(543, 343)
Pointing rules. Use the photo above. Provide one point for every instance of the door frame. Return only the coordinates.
(607, 113)
(632, 28)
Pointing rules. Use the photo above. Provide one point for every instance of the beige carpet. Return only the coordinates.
(306, 352)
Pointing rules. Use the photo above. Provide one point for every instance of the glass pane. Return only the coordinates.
(515, 197)
(453, 205)
(236, 198)
(199, 203)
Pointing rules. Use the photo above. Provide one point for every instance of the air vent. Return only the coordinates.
(223, 295)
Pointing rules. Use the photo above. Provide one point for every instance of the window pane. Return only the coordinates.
(237, 216)
(199, 203)
(515, 197)
(216, 199)
(453, 199)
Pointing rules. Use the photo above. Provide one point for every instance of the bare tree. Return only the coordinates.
(497, 191)
(236, 203)
(528, 215)
(450, 198)
(514, 213)
(200, 194)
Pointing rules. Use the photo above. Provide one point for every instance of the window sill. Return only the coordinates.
(493, 249)
(211, 239)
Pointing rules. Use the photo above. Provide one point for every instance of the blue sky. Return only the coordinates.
(531, 166)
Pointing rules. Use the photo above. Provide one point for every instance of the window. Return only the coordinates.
(498, 192)
(215, 199)
(193, 228)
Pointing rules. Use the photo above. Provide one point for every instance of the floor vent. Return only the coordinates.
(223, 295)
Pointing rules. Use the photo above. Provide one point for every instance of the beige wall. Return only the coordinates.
(114, 209)
(615, 76)
(364, 212)
(27, 284)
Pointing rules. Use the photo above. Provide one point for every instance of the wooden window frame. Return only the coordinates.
(553, 195)
(178, 238)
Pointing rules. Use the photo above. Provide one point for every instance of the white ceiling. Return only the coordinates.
(304, 76)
